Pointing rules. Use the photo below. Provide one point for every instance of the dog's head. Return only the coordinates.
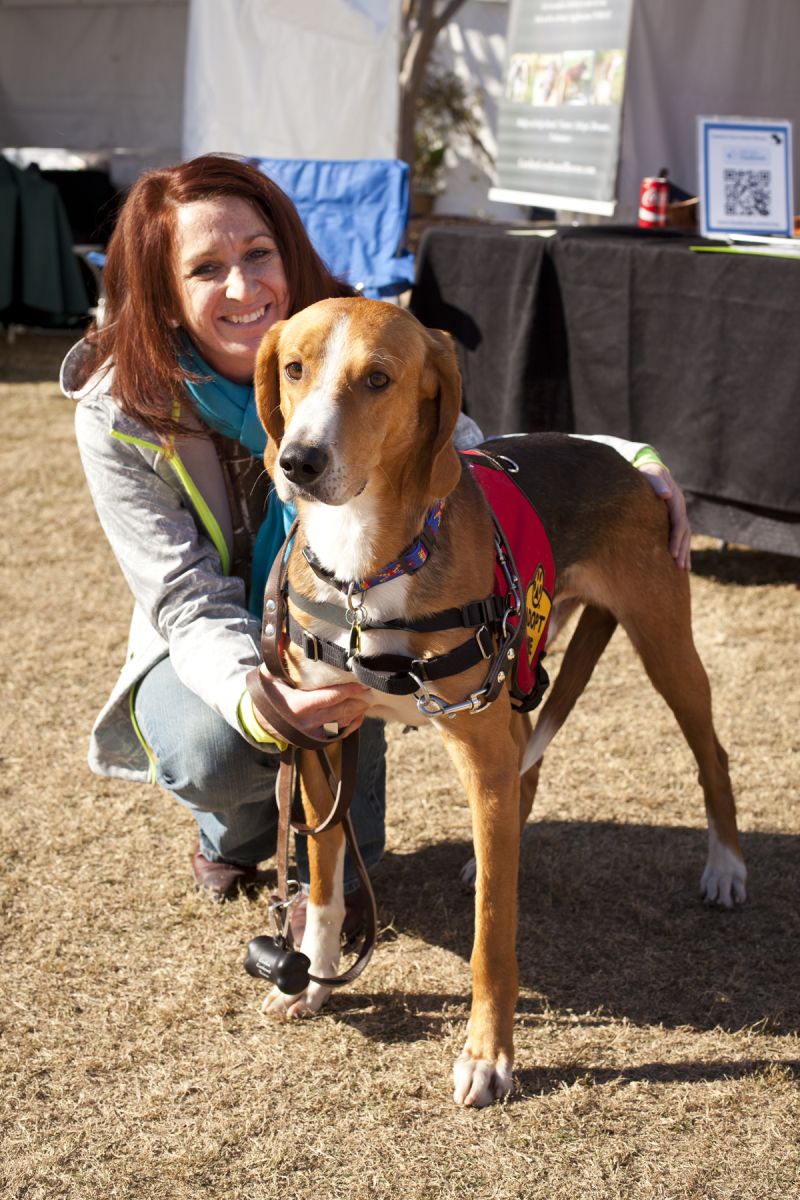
(356, 395)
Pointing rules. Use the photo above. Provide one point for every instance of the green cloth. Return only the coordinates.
(39, 274)
(9, 205)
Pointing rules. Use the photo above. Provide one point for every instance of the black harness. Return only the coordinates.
(500, 622)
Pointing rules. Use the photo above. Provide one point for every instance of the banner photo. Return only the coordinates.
(559, 126)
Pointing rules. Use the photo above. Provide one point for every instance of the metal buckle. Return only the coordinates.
(420, 666)
(310, 646)
(483, 637)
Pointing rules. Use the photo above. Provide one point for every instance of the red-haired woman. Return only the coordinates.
(206, 256)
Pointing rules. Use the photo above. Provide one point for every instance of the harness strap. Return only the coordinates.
(274, 611)
(272, 646)
(477, 612)
(392, 673)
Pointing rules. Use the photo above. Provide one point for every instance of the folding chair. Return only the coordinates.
(356, 212)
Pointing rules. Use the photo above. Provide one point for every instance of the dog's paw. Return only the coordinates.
(724, 880)
(724, 888)
(306, 1004)
(479, 1082)
(469, 873)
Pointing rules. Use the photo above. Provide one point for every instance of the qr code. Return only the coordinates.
(747, 193)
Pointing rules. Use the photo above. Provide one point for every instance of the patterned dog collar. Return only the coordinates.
(412, 558)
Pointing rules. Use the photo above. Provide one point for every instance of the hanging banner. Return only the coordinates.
(559, 127)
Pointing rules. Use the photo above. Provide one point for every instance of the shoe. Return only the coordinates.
(355, 914)
(220, 880)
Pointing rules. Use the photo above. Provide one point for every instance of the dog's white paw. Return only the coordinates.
(724, 880)
(479, 1082)
(725, 887)
(469, 873)
(278, 1004)
(321, 946)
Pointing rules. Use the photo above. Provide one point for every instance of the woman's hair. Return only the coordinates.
(139, 336)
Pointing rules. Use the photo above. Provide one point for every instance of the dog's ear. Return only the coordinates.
(445, 469)
(268, 391)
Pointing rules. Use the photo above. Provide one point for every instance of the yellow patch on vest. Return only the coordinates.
(537, 609)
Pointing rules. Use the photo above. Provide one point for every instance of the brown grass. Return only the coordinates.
(657, 1041)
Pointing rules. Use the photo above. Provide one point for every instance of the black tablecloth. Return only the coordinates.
(639, 336)
(498, 296)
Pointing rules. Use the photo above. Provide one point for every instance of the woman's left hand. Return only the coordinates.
(680, 532)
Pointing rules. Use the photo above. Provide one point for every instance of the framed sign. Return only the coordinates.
(559, 121)
(745, 177)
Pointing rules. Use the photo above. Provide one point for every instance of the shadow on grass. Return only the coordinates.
(538, 1081)
(745, 567)
(610, 925)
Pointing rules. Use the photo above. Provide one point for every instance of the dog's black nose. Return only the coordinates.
(303, 464)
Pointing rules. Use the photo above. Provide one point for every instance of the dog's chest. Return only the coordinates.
(342, 536)
(380, 604)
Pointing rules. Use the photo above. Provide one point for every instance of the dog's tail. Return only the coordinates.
(592, 635)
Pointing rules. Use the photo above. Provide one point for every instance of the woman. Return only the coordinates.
(207, 256)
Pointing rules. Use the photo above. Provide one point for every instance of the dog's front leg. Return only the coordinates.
(325, 912)
(485, 757)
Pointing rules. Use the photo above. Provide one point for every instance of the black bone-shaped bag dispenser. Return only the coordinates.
(272, 959)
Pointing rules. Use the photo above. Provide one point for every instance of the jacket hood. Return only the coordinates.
(76, 357)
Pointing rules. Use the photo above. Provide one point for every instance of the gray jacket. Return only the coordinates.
(168, 523)
(163, 519)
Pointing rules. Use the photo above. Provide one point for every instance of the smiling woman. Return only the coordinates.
(206, 257)
(231, 282)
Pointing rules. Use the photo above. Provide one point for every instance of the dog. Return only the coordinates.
(360, 402)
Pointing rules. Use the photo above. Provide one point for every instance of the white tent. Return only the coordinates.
(102, 77)
(109, 76)
(145, 82)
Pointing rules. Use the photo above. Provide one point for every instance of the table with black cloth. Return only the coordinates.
(612, 331)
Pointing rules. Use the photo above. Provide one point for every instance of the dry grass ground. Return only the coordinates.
(657, 1041)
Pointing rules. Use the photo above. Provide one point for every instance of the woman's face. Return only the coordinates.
(231, 283)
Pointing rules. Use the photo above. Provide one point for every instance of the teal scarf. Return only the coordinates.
(230, 409)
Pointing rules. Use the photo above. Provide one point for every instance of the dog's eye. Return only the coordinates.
(294, 370)
(377, 380)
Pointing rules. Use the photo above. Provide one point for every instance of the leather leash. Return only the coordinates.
(341, 788)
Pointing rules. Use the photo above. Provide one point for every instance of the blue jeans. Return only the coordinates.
(229, 785)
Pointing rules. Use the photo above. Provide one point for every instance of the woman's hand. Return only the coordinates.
(341, 704)
(680, 533)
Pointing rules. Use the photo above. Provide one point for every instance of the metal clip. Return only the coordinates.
(431, 705)
(511, 467)
(280, 911)
(356, 613)
(428, 704)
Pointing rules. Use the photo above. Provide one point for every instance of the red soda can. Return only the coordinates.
(653, 198)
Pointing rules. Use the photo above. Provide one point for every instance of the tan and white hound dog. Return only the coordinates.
(360, 402)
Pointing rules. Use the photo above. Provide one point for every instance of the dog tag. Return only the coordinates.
(355, 640)
(271, 959)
